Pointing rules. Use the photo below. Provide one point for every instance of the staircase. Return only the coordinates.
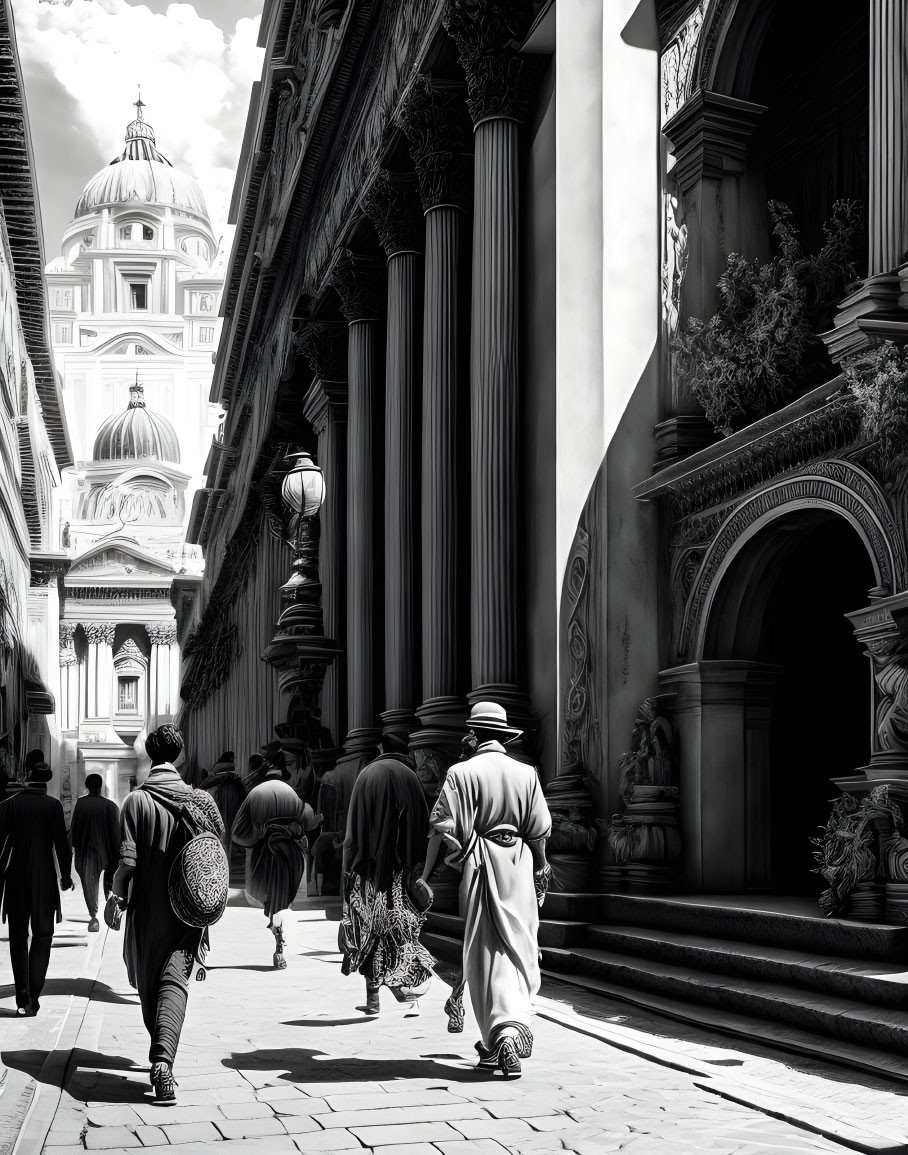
(736, 964)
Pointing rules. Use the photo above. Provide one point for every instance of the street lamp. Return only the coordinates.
(303, 491)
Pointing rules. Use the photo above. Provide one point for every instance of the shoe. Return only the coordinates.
(488, 1058)
(277, 959)
(93, 926)
(455, 1012)
(508, 1061)
(163, 1083)
(27, 1012)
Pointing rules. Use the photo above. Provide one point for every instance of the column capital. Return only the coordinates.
(498, 79)
(434, 119)
(391, 202)
(67, 631)
(324, 346)
(67, 643)
(357, 281)
(162, 633)
(326, 401)
(99, 633)
(709, 136)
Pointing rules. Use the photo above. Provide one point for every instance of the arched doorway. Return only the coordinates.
(781, 605)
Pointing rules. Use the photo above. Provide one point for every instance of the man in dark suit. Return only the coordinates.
(96, 842)
(32, 831)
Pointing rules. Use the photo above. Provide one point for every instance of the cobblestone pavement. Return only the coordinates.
(283, 1062)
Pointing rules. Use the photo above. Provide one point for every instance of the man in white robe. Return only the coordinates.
(492, 812)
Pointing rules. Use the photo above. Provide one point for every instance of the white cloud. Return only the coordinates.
(195, 82)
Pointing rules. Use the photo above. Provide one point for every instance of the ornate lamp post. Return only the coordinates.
(300, 649)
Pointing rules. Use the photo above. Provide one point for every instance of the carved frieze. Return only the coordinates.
(358, 282)
(498, 79)
(677, 64)
(391, 201)
(324, 346)
(579, 745)
(67, 643)
(434, 119)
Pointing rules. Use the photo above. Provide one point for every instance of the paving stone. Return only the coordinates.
(410, 1149)
(203, 1132)
(516, 1108)
(391, 1099)
(339, 1140)
(250, 1128)
(279, 1094)
(157, 1114)
(471, 1147)
(152, 1136)
(401, 1115)
(251, 1110)
(559, 1122)
(299, 1124)
(107, 1138)
(117, 1115)
(404, 1133)
(301, 1106)
(64, 1137)
(487, 1128)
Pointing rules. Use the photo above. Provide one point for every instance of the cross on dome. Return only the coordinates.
(137, 395)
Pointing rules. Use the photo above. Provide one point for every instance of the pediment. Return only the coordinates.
(131, 344)
(119, 560)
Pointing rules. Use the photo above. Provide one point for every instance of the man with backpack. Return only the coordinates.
(163, 934)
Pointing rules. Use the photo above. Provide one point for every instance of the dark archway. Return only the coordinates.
(782, 603)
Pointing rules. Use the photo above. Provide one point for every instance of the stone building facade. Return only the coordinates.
(134, 298)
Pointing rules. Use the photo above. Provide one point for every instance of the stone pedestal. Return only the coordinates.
(721, 710)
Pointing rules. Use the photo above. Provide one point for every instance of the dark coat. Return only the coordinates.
(32, 832)
(95, 833)
(273, 821)
(227, 789)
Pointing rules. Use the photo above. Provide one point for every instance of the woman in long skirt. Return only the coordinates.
(384, 899)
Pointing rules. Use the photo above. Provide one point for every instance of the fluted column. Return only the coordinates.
(497, 86)
(69, 678)
(434, 119)
(99, 669)
(888, 209)
(325, 408)
(356, 280)
(392, 203)
(163, 673)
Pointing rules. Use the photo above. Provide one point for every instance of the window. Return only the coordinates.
(147, 233)
(63, 298)
(63, 334)
(128, 696)
(138, 295)
(206, 334)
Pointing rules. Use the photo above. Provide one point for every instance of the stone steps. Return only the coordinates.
(843, 1018)
(552, 932)
(882, 984)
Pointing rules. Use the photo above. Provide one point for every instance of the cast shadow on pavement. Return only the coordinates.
(348, 1022)
(81, 988)
(243, 967)
(306, 1066)
(88, 1076)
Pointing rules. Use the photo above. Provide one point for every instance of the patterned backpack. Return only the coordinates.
(200, 874)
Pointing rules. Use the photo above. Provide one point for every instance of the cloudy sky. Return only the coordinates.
(83, 60)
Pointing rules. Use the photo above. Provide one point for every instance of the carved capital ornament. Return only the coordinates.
(498, 79)
(357, 280)
(434, 119)
(392, 203)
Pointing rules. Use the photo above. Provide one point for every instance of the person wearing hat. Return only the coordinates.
(492, 814)
(272, 822)
(95, 834)
(228, 790)
(32, 835)
(159, 949)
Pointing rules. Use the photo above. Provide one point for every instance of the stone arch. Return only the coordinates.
(836, 486)
(730, 44)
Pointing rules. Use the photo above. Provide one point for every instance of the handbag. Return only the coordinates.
(199, 880)
(113, 912)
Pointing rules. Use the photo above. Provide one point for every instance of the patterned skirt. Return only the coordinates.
(379, 937)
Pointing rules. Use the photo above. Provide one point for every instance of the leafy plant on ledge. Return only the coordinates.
(879, 382)
(761, 346)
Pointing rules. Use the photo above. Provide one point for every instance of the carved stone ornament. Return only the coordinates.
(433, 118)
(162, 633)
(391, 202)
(99, 633)
(67, 643)
(498, 79)
(324, 345)
(357, 280)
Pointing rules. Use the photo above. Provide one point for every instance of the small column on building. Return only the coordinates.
(99, 670)
(163, 672)
(356, 279)
(498, 82)
(392, 203)
(435, 122)
(323, 344)
(69, 678)
(888, 207)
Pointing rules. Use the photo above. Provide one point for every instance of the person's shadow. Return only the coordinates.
(82, 988)
(88, 1074)
(302, 1065)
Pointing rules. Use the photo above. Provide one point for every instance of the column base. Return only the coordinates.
(439, 742)
(520, 715)
(398, 723)
(360, 745)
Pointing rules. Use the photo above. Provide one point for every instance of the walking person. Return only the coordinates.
(227, 789)
(32, 835)
(95, 834)
(384, 898)
(157, 821)
(492, 814)
(273, 822)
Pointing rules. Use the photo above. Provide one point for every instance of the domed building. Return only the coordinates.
(134, 299)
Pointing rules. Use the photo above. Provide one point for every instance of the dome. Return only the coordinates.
(136, 434)
(140, 175)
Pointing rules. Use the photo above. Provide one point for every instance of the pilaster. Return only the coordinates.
(888, 200)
